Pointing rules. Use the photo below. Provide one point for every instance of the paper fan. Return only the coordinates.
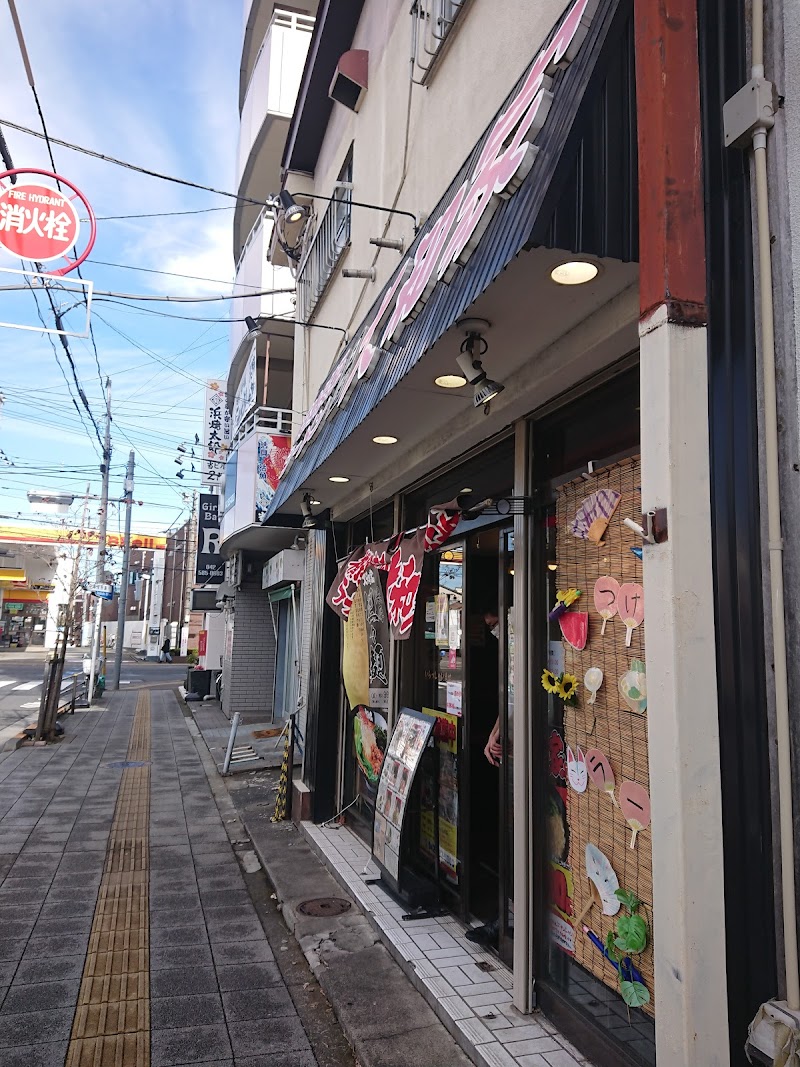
(591, 518)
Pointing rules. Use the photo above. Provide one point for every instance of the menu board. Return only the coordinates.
(409, 740)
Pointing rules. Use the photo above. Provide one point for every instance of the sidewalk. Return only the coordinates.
(132, 930)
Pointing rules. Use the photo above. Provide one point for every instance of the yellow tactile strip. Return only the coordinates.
(112, 1021)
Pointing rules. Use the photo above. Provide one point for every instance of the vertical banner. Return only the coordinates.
(209, 568)
(245, 398)
(377, 622)
(216, 434)
(273, 451)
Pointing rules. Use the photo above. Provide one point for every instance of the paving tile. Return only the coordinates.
(265, 1003)
(49, 969)
(187, 1045)
(42, 997)
(248, 975)
(50, 1055)
(34, 1027)
(179, 981)
(235, 930)
(183, 956)
(197, 1010)
(267, 1036)
(178, 935)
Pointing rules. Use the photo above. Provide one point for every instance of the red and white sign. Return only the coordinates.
(40, 221)
(504, 163)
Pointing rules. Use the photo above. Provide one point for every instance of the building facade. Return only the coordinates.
(533, 355)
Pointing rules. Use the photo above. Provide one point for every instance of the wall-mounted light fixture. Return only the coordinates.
(473, 348)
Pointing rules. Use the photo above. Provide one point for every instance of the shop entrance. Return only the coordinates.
(463, 674)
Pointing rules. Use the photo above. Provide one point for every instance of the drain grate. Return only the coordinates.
(122, 764)
(322, 907)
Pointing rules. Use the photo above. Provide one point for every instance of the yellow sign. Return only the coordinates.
(60, 535)
(355, 654)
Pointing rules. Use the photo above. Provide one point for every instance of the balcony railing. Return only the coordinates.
(433, 21)
(263, 420)
(330, 241)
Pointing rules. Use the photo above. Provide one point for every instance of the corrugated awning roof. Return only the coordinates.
(571, 153)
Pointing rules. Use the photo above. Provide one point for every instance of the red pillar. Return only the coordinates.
(672, 257)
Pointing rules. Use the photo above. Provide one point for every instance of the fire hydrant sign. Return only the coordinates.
(37, 222)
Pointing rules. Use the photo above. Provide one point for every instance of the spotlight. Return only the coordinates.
(292, 211)
(473, 347)
(309, 521)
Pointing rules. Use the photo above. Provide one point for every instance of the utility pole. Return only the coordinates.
(190, 561)
(122, 605)
(100, 570)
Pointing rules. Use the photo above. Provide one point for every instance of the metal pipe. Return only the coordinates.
(774, 531)
(226, 766)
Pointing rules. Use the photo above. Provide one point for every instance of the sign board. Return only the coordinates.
(209, 567)
(286, 566)
(505, 160)
(273, 451)
(245, 397)
(216, 433)
(104, 591)
(58, 535)
(41, 221)
(409, 740)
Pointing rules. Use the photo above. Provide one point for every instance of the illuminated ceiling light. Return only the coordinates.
(574, 272)
(292, 211)
(450, 381)
(385, 439)
(338, 478)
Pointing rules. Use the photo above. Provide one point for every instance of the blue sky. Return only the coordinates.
(155, 83)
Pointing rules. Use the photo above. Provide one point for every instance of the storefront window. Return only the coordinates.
(593, 787)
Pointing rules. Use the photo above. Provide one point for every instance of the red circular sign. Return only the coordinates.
(37, 222)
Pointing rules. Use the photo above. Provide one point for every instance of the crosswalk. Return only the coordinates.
(14, 685)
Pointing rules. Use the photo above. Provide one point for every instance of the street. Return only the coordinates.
(21, 676)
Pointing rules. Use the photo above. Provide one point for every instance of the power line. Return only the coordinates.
(132, 166)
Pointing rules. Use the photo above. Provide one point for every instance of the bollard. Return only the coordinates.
(231, 741)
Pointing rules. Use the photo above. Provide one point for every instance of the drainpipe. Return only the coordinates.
(750, 115)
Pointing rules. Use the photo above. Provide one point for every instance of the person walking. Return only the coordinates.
(165, 656)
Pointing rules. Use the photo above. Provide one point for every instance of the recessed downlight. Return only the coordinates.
(338, 478)
(575, 272)
(385, 439)
(450, 381)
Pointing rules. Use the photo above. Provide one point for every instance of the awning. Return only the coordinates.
(258, 538)
(533, 215)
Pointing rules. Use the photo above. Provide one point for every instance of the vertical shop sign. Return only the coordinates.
(216, 434)
(209, 569)
(377, 623)
(273, 450)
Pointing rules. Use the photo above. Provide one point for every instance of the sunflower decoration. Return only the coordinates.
(568, 688)
(549, 681)
(564, 686)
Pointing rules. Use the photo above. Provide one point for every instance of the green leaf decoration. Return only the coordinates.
(629, 899)
(634, 994)
(631, 934)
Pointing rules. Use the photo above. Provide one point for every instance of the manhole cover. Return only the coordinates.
(324, 906)
(123, 763)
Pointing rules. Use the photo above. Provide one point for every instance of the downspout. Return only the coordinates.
(775, 538)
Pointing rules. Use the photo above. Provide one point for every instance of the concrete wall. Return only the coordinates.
(248, 672)
(409, 142)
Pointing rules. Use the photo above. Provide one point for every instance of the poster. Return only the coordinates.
(446, 737)
(377, 624)
(411, 734)
(355, 654)
(272, 453)
(454, 698)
